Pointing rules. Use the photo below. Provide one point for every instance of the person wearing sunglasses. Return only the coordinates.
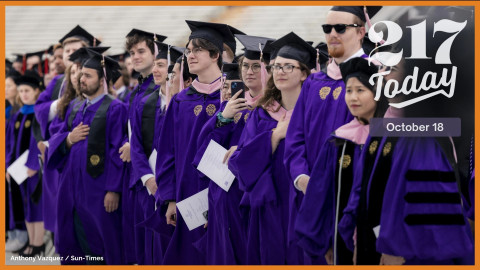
(258, 161)
(321, 107)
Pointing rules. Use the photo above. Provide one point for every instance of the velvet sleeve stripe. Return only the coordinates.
(430, 175)
(434, 219)
(433, 197)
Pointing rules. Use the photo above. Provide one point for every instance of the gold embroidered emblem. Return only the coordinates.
(197, 110)
(337, 92)
(28, 123)
(387, 148)
(246, 116)
(17, 124)
(237, 117)
(346, 161)
(211, 109)
(324, 92)
(94, 160)
(373, 147)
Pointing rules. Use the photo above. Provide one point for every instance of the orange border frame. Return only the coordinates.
(3, 4)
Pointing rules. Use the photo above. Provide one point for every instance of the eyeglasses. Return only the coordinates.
(339, 28)
(286, 68)
(255, 67)
(195, 51)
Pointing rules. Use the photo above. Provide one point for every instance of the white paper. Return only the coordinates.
(18, 170)
(212, 166)
(129, 130)
(376, 231)
(192, 209)
(152, 160)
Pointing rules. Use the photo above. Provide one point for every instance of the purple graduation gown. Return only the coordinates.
(315, 224)
(150, 244)
(131, 252)
(22, 142)
(264, 178)
(79, 192)
(224, 242)
(418, 207)
(320, 109)
(177, 178)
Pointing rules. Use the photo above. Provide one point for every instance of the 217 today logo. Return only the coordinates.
(430, 80)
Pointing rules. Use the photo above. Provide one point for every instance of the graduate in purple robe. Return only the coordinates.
(177, 179)
(89, 218)
(332, 176)
(405, 204)
(321, 106)
(140, 45)
(14, 217)
(224, 242)
(258, 161)
(22, 139)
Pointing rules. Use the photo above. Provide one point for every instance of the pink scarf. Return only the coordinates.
(353, 131)
(252, 100)
(333, 70)
(207, 88)
(280, 114)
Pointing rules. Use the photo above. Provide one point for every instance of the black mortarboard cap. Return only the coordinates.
(175, 52)
(358, 10)
(39, 54)
(323, 52)
(120, 57)
(231, 42)
(216, 33)
(82, 34)
(272, 51)
(18, 57)
(231, 69)
(95, 62)
(82, 54)
(31, 78)
(359, 68)
(8, 65)
(148, 35)
(12, 73)
(251, 44)
(170, 68)
(294, 47)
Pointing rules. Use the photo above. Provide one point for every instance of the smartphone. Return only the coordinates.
(237, 86)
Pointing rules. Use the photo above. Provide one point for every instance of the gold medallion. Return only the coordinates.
(387, 148)
(94, 160)
(346, 161)
(197, 110)
(211, 109)
(28, 123)
(246, 116)
(237, 117)
(17, 124)
(373, 147)
(337, 92)
(324, 92)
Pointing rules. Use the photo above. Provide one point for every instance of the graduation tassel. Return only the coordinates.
(167, 85)
(46, 67)
(222, 80)
(155, 45)
(105, 86)
(318, 60)
(263, 70)
(369, 23)
(94, 42)
(181, 84)
(24, 64)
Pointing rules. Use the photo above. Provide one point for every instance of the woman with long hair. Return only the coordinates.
(258, 161)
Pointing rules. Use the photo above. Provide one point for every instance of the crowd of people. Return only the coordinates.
(114, 142)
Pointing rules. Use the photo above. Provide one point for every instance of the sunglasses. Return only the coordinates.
(339, 28)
